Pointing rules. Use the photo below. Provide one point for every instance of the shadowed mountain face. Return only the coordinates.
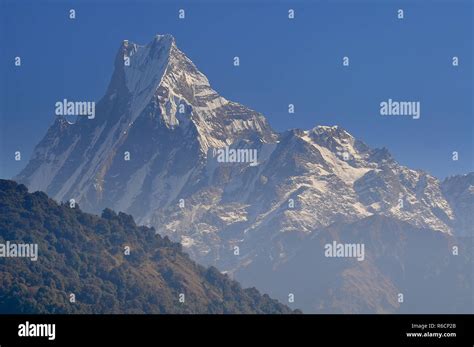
(459, 192)
(86, 255)
(433, 271)
(152, 150)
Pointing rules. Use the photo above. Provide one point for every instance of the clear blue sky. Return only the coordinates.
(282, 62)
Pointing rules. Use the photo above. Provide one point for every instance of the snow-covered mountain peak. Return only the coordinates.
(159, 79)
(144, 66)
(323, 133)
(326, 129)
(338, 141)
(165, 38)
(151, 152)
(152, 145)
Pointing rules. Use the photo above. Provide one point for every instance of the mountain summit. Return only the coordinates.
(168, 149)
(162, 111)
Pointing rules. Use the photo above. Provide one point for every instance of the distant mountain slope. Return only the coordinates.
(399, 259)
(84, 254)
(459, 192)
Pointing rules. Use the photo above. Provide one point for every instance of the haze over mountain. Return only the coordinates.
(163, 113)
